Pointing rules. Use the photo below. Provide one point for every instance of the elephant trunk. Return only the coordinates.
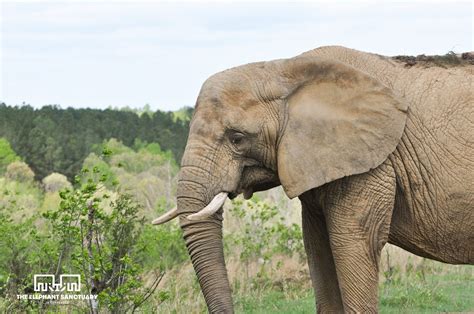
(204, 243)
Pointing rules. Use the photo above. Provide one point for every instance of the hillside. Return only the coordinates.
(52, 139)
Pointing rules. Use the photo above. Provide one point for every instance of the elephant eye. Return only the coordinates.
(236, 138)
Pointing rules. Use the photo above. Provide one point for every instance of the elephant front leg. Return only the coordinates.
(320, 259)
(358, 212)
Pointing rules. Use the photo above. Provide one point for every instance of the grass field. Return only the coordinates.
(408, 284)
(438, 293)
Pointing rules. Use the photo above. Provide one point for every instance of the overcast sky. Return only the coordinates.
(99, 54)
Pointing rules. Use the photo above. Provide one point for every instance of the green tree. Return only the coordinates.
(55, 182)
(52, 139)
(45, 153)
(23, 252)
(102, 242)
(7, 155)
(19, 171)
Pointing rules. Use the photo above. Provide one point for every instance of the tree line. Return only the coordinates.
(52, 139)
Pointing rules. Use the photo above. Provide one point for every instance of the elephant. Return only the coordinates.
(376, 150)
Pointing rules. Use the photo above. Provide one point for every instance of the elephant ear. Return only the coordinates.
(340, 122)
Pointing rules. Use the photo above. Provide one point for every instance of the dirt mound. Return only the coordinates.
(448, 60)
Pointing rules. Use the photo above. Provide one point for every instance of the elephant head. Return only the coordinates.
(299, 122)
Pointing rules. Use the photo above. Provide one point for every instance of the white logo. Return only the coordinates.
(46, 288)
(67, 282)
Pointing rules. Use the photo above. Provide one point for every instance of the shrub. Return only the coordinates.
(55, 182)
(90, 233)
(19, 171)
(95, 166)
(23, 252)
(264, 233)
(102, 244)
(162, 248)
(7, 155)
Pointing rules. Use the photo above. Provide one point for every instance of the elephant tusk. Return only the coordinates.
(210, 209)
(166, 217)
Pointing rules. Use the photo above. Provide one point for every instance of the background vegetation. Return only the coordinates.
(78, 189)
(52, 139)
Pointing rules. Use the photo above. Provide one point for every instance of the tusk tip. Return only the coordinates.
(166, 217)
(157, 222)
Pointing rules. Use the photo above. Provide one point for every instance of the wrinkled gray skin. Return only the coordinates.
(376, 153)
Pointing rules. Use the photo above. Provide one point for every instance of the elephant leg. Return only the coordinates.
(320, 259)
(358, 211)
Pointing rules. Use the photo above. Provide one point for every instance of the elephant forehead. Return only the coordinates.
(215, 102)
(221, 97)
(206, 123)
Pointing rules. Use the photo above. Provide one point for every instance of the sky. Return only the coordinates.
(101, 54)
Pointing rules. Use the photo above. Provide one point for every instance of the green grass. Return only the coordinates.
(433, 296)
(451, 292)
(276, 302)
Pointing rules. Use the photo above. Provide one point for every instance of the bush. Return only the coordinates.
(264, 234)
(90, 234)
(19, 171)
(148, 175)
(162, 248)
(55, 182)
(265, 231)
(23, 252)
(7, 155)
(22, 199)
(111, 146)
(95, 166)
(101, 243)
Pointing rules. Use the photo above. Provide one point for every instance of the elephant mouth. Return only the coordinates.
(216, 204)
(255, 179)
(247, 193)
(211, 208)
(233, 195)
